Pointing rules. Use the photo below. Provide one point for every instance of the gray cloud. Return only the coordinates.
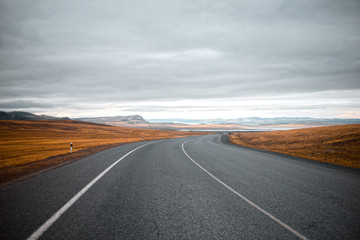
(24, 104)
(81, 54)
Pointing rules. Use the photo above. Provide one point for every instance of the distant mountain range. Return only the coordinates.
(260, 121)
(140, 122)
(117, 120)
(26, 116)
(201, 124)
(281, 121)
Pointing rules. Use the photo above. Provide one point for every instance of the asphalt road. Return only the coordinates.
(188, 188)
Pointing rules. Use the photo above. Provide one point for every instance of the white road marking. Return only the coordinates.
(296, 233)
(58, 214)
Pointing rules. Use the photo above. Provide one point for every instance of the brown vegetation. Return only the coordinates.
(28, 146)
(335, 144)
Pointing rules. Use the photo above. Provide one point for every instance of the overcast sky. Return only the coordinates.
(185, 59)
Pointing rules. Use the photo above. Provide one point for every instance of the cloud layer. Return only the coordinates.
(185, 58)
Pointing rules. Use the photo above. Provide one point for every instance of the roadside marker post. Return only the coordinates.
(71, 146)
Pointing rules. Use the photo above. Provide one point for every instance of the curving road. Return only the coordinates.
(189, 188)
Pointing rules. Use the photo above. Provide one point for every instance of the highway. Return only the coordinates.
(187, 188)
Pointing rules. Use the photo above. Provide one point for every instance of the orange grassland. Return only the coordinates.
(30, 146)
(334, 144)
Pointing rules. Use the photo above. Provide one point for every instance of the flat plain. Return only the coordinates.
(333, 144)
(30, 146)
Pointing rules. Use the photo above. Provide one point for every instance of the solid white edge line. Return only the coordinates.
(296, 233)
(58, 214)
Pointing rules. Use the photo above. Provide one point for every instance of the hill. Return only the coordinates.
(334, 144)
(29, 146)
(117, 120)
(17, 115)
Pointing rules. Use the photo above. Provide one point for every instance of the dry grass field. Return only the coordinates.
(334, 144)
(30, 146)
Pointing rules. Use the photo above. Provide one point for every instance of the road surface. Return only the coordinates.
(187, 188)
